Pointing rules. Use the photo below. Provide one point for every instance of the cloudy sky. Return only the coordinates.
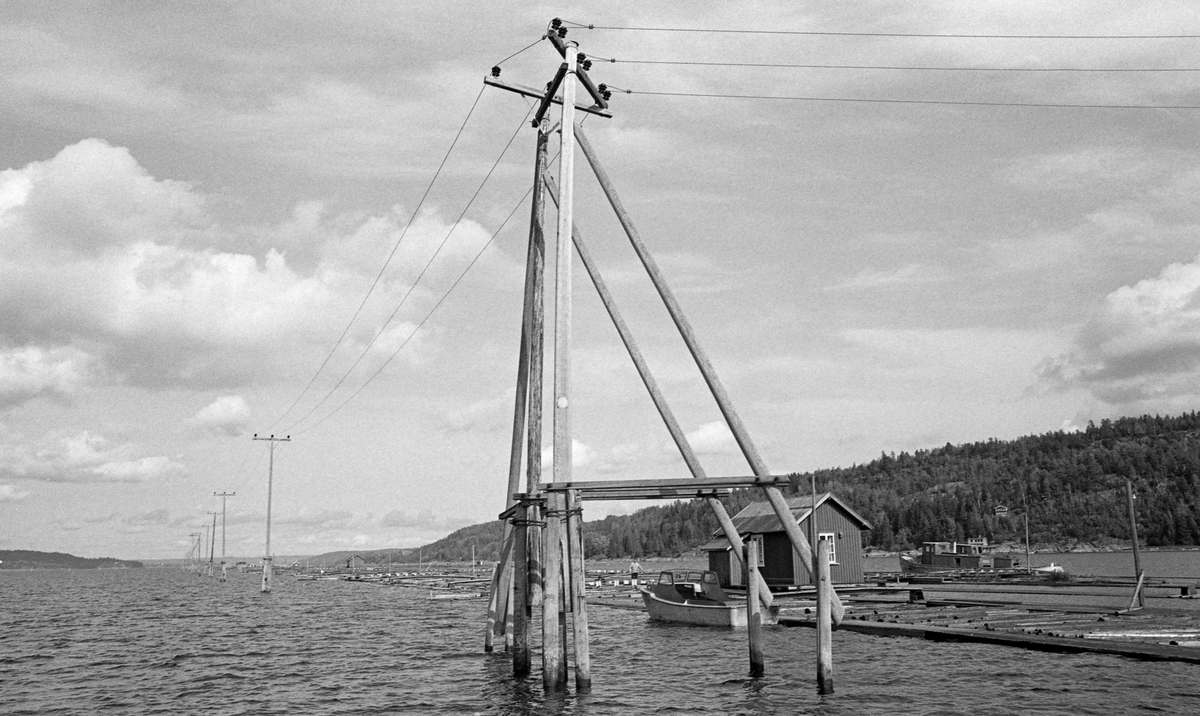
(217, 219)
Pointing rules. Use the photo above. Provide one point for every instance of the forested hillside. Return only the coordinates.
(1071, 483)
(30, 559)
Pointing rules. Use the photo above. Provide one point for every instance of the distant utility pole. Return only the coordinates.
(212, 547)
(224, 565)
(271, 440)
(195, 549)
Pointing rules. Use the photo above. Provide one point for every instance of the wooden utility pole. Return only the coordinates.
(271, 442)
(224, 564)
(1137, 557)
(196, 548)
(212, 547)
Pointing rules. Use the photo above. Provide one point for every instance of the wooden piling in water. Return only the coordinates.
(824, 621)
(522, 610)
(753, 610)
(553, 656)
(583, 653)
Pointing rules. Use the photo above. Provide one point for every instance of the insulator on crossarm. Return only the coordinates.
(562, 32)
(556, 23)
(602, 87)
(496, 71)
(587, 65)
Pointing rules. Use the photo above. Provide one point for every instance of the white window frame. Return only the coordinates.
(831, 537)
(762, 556)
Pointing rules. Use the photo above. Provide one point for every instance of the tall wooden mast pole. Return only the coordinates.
(553, 658)
(562, 278)
(271, 440)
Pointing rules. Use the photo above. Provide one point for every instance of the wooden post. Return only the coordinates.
(583, 653)
(553, 657)
(562, 279)
(824, 621)
(522, 610)
(536, 331)
(732, 419)
(499, 603)
(753, 611)
(271, 441)
(1137, 557)
(656, 395)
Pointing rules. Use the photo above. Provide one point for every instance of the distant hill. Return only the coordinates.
(29, 559)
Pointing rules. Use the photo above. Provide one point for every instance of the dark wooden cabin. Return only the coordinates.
(779, 564)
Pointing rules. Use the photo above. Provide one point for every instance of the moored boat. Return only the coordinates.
(696, 597)
(973, 555)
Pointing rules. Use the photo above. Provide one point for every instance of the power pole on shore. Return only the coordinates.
(224, 565)
(271, 441)
(212, 543)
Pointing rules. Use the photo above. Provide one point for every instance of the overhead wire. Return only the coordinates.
(905, 68)
(391, 255)
(427, 315)
(411, 287)
(822, 33)
(877, 100)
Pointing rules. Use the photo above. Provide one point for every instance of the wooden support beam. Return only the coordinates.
(553, 656)
(584, 487)
(583, 658)
(535, 320)
(522, 609)
(656, 395)
(538, 95)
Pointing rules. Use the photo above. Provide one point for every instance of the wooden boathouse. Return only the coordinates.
(778, 563)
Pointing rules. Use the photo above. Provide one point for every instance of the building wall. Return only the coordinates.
(847, 544)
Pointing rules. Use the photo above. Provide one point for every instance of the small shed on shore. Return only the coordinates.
(778, 563)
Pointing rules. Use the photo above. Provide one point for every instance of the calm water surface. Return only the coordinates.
(169, 642)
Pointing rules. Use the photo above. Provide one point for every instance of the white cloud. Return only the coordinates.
(1143, 342)
(712, 438)
(30, 371)
(227, 415)
(8, 493)
(79, 458)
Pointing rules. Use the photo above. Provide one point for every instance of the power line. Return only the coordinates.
(413, 286)
(395, 247)
(506, 59)
(907, 68)
(964, 103)
(967, 36)
(427, 315)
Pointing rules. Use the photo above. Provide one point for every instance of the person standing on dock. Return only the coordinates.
(634, 569)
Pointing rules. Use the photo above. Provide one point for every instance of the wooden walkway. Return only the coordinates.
(1151, 633)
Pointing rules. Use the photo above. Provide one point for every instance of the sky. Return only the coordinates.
(310, 219)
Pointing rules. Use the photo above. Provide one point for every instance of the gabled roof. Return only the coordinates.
(759, 518)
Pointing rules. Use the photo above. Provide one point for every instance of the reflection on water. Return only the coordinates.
(161, 641)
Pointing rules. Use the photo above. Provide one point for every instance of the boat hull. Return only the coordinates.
(701, 614)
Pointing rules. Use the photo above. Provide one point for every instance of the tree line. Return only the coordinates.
(1070, 484)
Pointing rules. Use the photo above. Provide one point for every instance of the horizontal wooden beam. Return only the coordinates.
(539, 95)
(664, 485)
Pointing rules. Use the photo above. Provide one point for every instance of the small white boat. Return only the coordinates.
(1051, 569)
(696, 597)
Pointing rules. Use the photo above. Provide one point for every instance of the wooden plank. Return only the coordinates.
(536, 94)
(686, 482)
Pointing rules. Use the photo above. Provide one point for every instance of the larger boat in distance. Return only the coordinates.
(975, 555)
